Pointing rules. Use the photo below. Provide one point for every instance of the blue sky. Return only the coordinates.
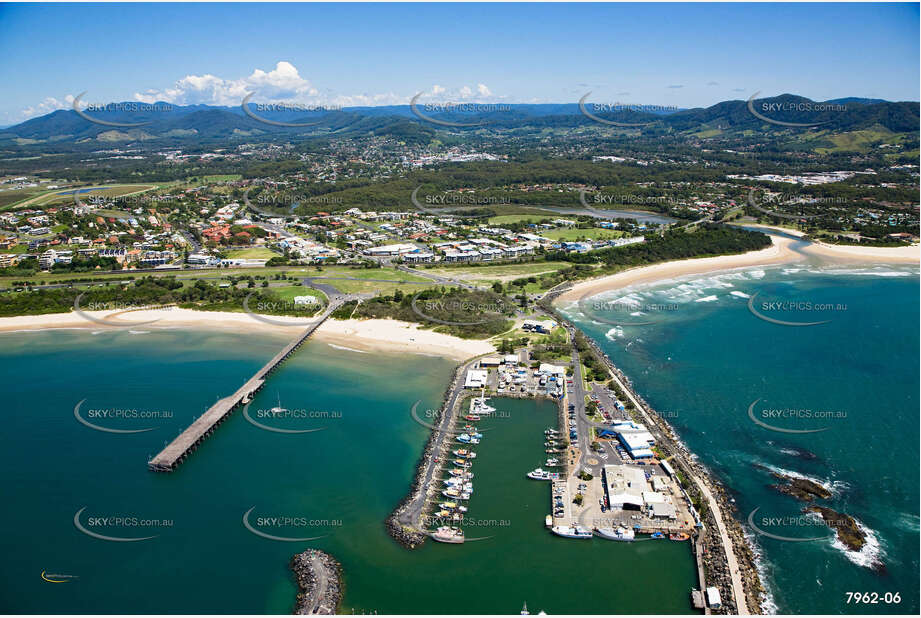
(686, 55)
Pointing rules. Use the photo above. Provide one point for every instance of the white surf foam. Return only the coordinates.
(342, 347)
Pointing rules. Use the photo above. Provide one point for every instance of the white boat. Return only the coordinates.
(452, 506)
(479, 406)
(552, 461)
(572, 532)
(449, 534)
(616, 534)
(548, 521)
(460, 473)
(539, 475)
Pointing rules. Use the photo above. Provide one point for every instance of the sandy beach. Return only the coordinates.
(891, 255)
(779, 252)
(359, 335)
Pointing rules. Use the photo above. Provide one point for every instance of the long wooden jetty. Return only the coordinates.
(179, 449)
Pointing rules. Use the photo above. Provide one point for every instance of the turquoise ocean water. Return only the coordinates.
(339, 483)
(702, 358)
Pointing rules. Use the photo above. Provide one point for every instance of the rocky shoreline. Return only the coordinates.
(714, 561)
(844, 526)
(319, 582)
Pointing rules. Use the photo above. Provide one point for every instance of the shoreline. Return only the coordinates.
(780, 252)
(319, 581)
(372, 335)
(735, 570)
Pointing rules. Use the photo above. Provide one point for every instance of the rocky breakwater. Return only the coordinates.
(405, 522)
(319, 582)
(715, 560)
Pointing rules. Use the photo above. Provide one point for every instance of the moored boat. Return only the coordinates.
(572, 532)
(448, 534)
(616, 534)
(539, 475)
(679, 536)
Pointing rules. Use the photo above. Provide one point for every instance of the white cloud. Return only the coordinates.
(48, 105)
(282, 82)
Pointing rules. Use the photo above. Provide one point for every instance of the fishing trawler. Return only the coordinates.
(464, 454)
(448, 534)
(679, 536)
(616, 534)
(460, 463)
(572, 532)
(461, 473)
(453, 506)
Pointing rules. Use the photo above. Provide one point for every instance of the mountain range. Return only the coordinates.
(178, 123)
